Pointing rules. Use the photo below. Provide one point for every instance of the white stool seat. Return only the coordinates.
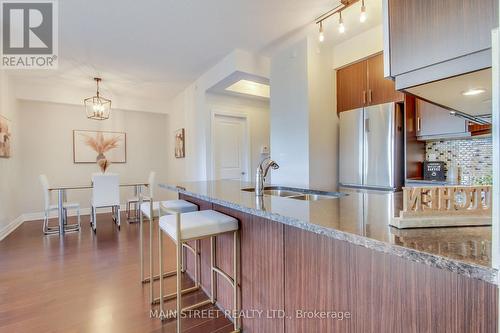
(198, 224)
(180, 206)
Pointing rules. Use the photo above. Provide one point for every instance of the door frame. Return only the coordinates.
(248, 144)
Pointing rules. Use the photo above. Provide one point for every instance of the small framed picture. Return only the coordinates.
(180, 146)
(5, 137)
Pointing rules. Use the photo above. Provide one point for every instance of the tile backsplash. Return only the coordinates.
(472, 156)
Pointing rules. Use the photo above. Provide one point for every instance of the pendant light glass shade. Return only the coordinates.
(97, 107)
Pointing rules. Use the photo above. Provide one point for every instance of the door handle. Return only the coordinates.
(364, 96)
(367, 125)
(369, 95)
(419, 124)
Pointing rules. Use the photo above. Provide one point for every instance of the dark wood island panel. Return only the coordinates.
(383, 293)
(290, 269)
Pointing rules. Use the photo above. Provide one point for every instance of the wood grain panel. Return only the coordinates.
(476, 129)
(415, 150)
(351, 87)
(380, 89)
(261, 270)
(423, 33)
(383, 293)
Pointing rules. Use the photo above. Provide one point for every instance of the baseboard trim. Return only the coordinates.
(9, 228)
(29, 217)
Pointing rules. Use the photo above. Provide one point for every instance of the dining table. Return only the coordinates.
(61, 197)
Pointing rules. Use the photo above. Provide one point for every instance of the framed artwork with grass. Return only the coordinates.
(92, 146)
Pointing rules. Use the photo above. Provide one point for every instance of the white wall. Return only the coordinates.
(303, 119)
(46, 147)
(358, 47)
(323, 120)
(290, 115)
(9, 167)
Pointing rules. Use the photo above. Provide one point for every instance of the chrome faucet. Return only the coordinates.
(262, 171)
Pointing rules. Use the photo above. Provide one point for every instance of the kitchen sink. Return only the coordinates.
(275, 191)
(313, 197)
(293, 193)
(281, 193)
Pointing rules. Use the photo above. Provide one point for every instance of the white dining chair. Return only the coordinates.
(105, 194)
(48, 207)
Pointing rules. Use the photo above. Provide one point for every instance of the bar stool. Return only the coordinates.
(198, 225)
(150, 210)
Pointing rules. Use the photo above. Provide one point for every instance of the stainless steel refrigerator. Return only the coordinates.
(371, 147)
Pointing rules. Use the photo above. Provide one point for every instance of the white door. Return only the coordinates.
(230, 147)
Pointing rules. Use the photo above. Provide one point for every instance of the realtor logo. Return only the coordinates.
(29, 34)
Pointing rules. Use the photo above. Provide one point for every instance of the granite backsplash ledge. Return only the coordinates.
(473, 156)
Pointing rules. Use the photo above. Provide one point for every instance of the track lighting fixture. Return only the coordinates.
(341, 23)
(362, 16)
(321, 36)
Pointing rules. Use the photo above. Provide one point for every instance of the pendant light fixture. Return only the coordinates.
(341, 23)
(97, 107)
(321, 36)
(362, 16)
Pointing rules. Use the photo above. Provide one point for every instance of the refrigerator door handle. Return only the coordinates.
(367, 125)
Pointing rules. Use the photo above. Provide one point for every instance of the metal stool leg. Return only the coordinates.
(213, 274)
(160, 263)
(236, 261)
(141, 247)
(151, 276)
(179, 277)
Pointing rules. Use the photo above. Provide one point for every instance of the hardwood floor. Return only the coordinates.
(85, 283)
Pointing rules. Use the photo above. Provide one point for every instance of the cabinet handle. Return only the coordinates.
(419, 124)
(364, 96)
(369, 95)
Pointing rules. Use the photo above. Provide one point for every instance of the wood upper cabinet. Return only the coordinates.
(429, 39)
(380, 89)
(351, 86)
(363, 83)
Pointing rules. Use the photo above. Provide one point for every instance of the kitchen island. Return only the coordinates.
(335, 265)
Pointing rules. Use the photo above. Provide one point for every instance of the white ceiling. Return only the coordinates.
(448, 92)
(153, 49)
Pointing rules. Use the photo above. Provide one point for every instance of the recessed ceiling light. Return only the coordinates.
(250, 88)
(473, 92)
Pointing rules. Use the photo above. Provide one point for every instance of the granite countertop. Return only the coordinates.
(361, 217)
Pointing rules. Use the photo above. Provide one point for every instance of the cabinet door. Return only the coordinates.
(351, 87)
(433, 120)
(380, 89)
(423, 33)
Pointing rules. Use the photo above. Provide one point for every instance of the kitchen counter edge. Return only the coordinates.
(487, 274)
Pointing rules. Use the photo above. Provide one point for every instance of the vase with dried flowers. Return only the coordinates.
(103, 164)
(101, 145)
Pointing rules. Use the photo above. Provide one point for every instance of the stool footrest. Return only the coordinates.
(157, 277)
(189, 247)
(171, 296)
(197, 305)
(223, 274)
